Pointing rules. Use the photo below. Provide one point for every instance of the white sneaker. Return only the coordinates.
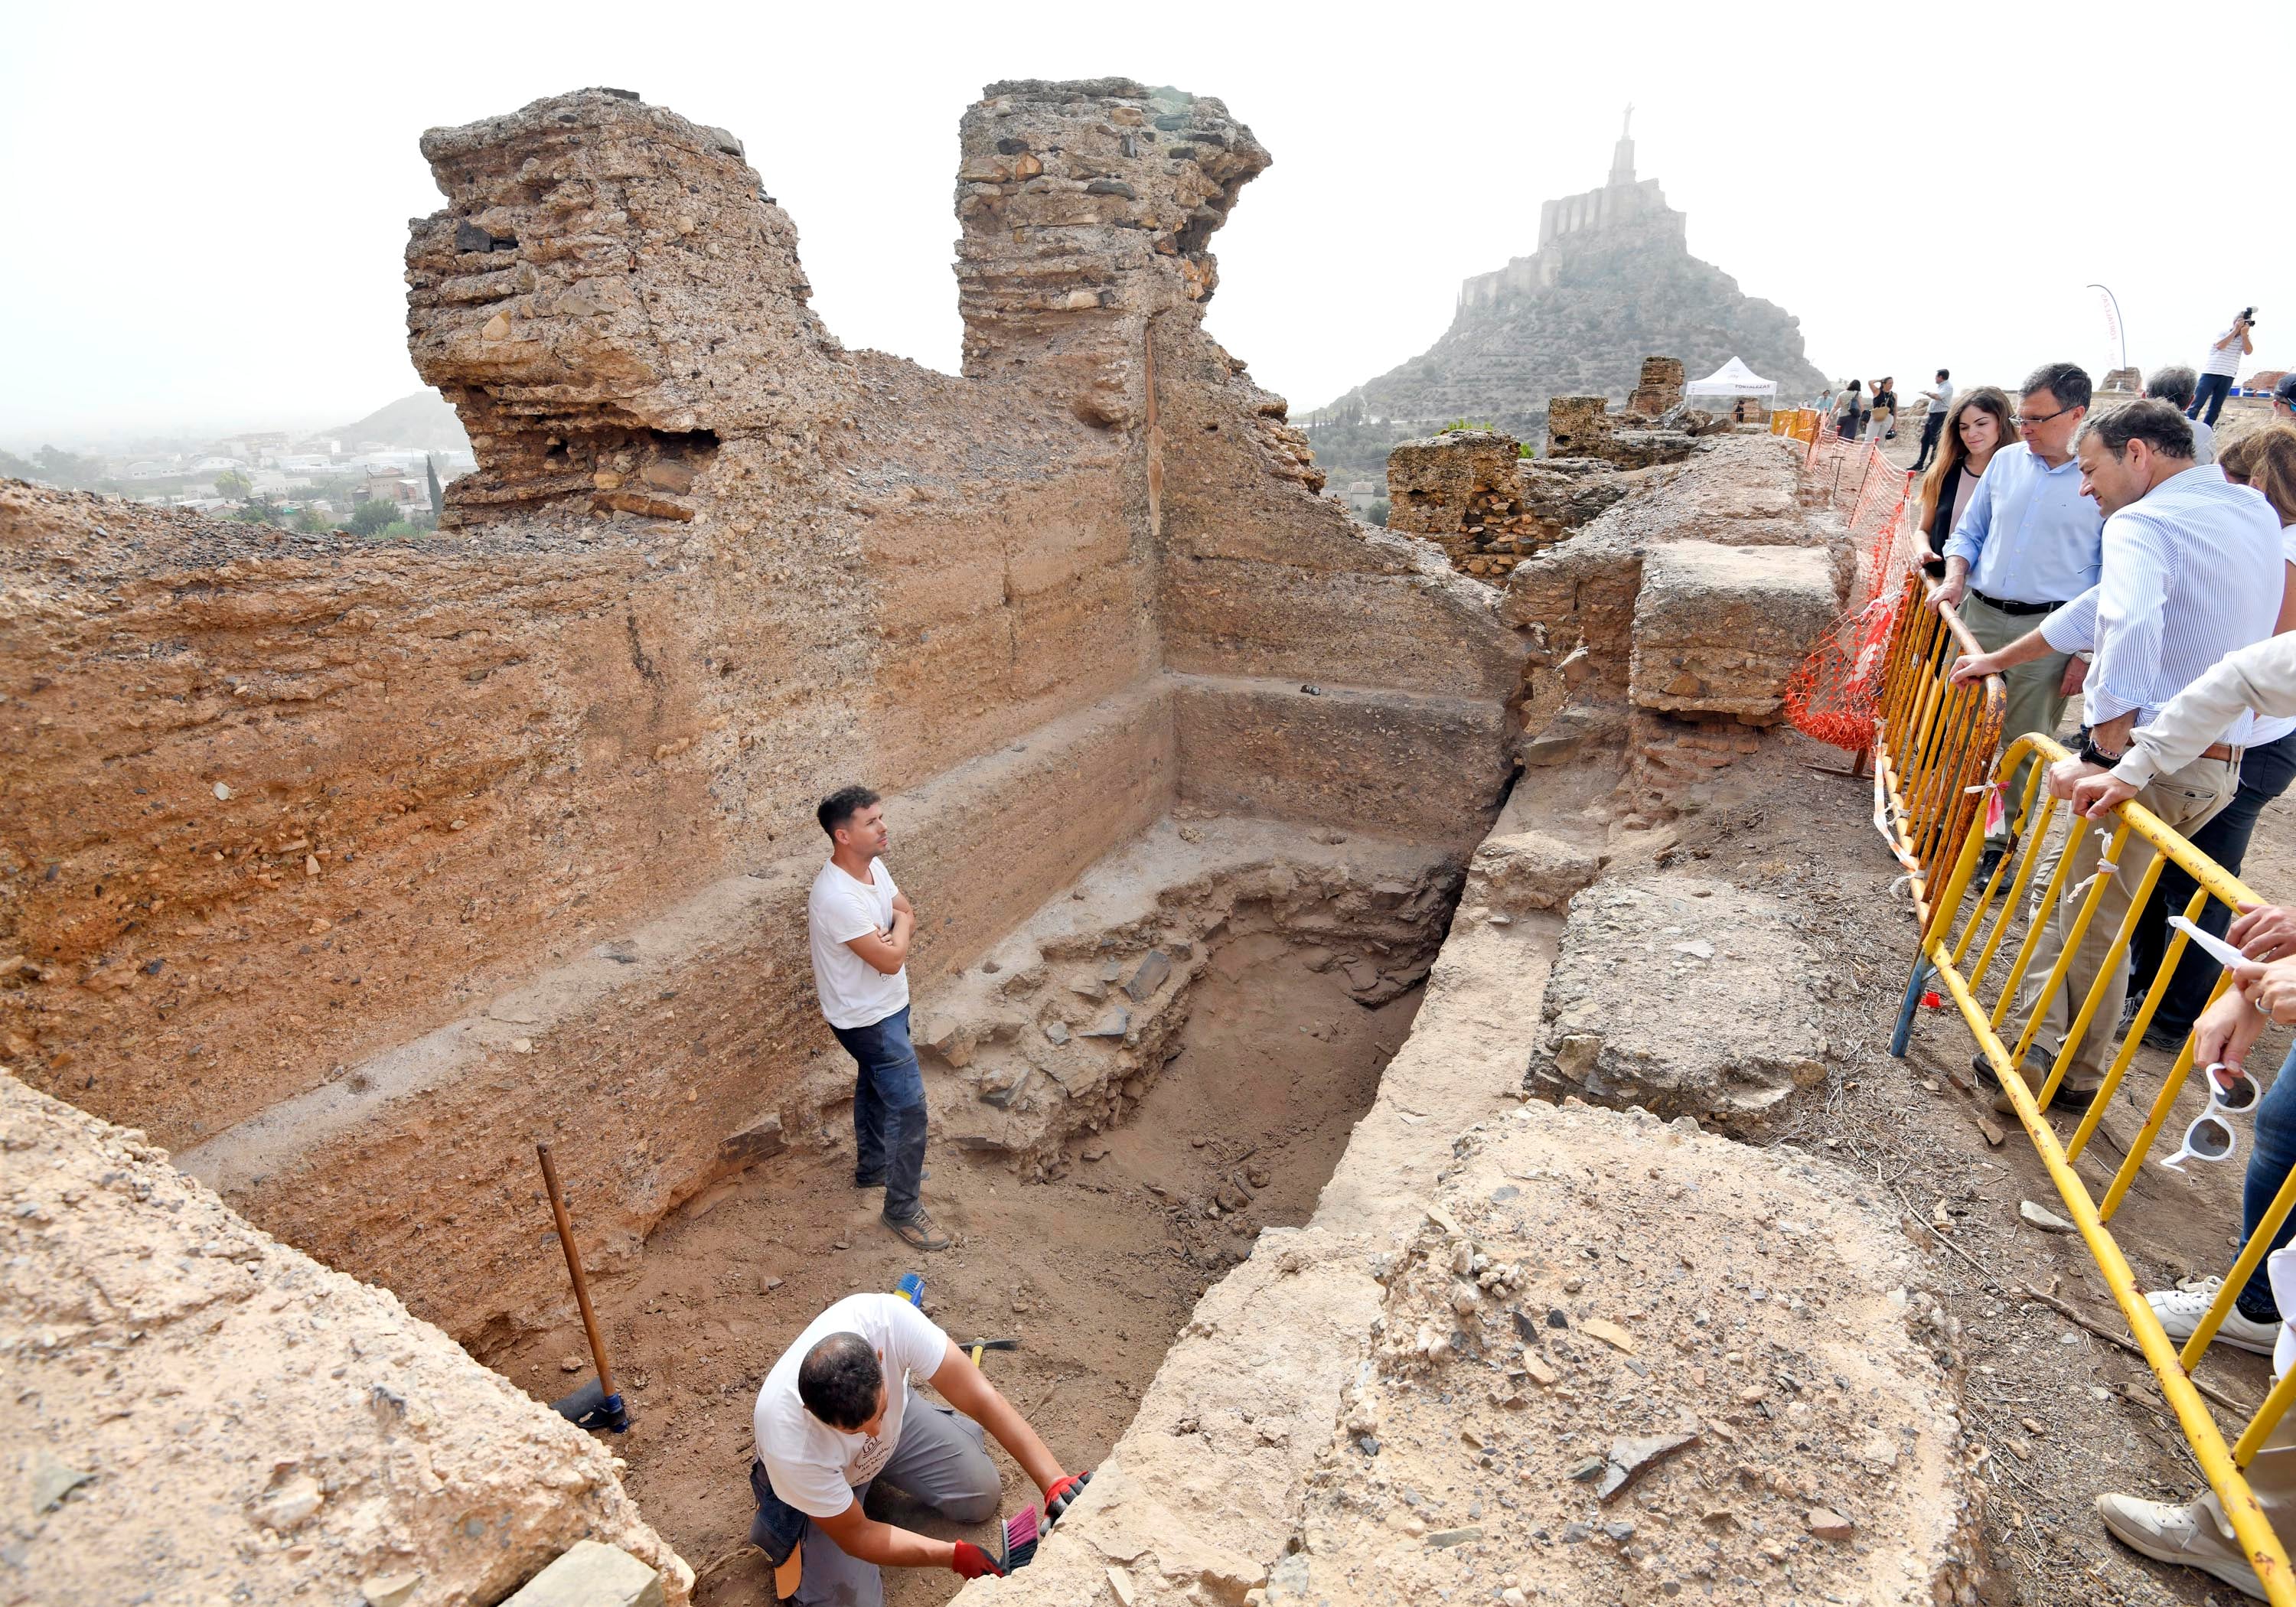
(2180, 1311)
(2186, 1536)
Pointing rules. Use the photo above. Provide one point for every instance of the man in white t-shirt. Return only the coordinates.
(2222, 367)
(1935, 402)
(861, 927)
(837, 1411)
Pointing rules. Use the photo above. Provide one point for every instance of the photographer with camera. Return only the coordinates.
(2223, 368)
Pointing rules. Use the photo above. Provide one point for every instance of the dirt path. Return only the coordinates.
(2064, 1415)
(1278, 1063)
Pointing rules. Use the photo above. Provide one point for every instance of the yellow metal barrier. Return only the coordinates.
(1931, 740)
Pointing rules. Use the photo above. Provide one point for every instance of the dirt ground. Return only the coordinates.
(1278, 1062)
(2063, 1413)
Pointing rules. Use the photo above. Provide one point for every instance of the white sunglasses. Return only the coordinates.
(2210, 1137)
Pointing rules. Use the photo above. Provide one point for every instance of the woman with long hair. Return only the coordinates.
(1885, 406)
(2266, 461)
(1976, 427)
(1845, 425)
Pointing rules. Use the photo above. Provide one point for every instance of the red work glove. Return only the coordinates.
(1062, 1494)
(972, 1562)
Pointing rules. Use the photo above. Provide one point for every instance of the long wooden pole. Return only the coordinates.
(574, 1269)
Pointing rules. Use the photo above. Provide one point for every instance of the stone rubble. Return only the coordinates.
(203, 1413)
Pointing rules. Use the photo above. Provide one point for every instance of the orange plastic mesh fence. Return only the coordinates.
(1833, 694)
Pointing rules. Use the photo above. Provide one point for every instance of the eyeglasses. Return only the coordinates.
(2034, 420)
(2210, 1137)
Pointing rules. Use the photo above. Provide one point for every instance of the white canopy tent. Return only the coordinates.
(1732, 379)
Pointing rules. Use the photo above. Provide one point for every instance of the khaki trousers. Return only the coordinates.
(2034, 701)
(2183, 799)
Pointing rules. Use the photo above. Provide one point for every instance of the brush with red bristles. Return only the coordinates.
(1020, 1533)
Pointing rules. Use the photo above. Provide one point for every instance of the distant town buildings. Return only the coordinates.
(276, 472)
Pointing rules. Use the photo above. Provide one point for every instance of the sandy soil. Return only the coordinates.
(1278, 1063)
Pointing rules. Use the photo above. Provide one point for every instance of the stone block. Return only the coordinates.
(947, 1039)
(1719, 630)
(592, 1575)
(759, 1141)
(1113, 1023)
(1686, 996)
(1149, 976)
(1578, 426)
(1527, 871)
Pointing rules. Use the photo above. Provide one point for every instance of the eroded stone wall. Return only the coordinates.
(347, 868)
(1665, 630)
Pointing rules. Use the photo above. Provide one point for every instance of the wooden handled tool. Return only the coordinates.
(602, 1407)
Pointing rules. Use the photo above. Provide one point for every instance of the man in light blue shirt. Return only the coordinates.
(2029, 542)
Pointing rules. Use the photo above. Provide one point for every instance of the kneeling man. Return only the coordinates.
(837, 1412)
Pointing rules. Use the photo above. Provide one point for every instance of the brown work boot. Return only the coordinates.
(2070, 1096)
(918, 1230)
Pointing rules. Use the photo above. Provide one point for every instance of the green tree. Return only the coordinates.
(371, 517)
(311, 521)
(1377, 512)
(232, 485)
(69, 470)
(54, 466)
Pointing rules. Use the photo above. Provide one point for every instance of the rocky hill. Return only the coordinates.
(1612, 281)
(423, 419)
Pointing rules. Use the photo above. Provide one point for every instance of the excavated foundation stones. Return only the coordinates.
(1065, 1025)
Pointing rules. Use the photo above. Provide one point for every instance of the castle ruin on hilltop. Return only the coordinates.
(1612, 279)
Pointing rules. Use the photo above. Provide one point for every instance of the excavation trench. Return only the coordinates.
(1094, 1204)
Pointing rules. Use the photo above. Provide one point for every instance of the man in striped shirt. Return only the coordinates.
(2191, 571)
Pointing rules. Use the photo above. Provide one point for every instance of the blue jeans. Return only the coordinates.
(2210, 394)
(2265, 774)
(889, 1110)
(2269, 1166)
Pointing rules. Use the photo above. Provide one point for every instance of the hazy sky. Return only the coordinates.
(207, 205)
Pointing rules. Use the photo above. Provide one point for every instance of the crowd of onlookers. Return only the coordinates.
(2125, 557)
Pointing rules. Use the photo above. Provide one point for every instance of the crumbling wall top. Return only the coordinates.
(606, 275)
(1087, 207)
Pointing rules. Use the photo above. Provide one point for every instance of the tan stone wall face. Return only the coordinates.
(347, 868)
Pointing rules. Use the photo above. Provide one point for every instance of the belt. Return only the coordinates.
(2007, 607)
